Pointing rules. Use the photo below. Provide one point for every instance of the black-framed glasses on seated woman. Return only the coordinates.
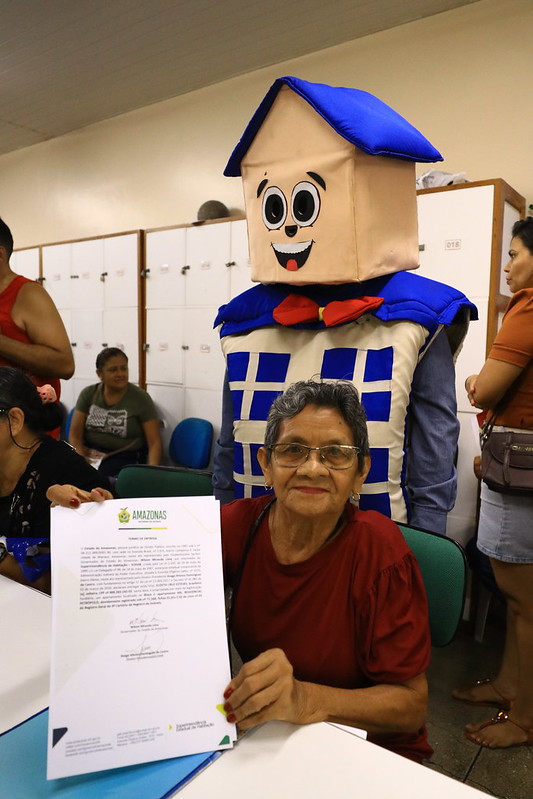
(334, 456)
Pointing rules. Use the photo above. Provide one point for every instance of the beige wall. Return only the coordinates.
(462, 77)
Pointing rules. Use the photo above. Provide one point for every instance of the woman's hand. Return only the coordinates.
(265, 690)
(470, 388)
(70, 496)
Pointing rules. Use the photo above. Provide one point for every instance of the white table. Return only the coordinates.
(278, 759)
(25, 654)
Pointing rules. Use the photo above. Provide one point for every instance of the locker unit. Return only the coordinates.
(26, 262)
(190, 271)
(464, 235)
(95, 285)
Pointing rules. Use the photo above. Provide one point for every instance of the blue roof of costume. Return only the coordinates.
(355, 115)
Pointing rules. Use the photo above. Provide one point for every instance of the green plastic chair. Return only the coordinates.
(443, 567)
(141, 480)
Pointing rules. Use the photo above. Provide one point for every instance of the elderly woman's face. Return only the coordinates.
(313, 488)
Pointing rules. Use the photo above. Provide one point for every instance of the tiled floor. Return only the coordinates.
(507, 773)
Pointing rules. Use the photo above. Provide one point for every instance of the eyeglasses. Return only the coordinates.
(334, 456)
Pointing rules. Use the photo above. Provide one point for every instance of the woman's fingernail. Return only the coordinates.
(231, 718)
(228, 692)
(74, 503)
(228, 708)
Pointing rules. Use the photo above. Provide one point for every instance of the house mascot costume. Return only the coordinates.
(330, 192)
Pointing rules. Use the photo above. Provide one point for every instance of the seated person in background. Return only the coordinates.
(115, 423)
(329, 609)
(31, 462)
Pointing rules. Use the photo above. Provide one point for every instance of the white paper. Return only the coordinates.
(139, 651)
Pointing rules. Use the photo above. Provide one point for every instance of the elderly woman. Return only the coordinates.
(30, 463)
(329, 611)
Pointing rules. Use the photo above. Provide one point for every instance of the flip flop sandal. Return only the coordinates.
(500, 701)
(502, 718)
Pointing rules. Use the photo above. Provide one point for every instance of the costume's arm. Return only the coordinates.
(265, 689)
(433, 431)
(49, 354)
(223, 453)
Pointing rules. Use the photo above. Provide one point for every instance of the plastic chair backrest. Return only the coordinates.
(443, 567)
(66, 425)
(141, 480)
(190, 443)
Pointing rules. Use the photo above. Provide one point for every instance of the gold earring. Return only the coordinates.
(355, 497)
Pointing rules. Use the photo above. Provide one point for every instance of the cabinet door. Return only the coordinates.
(204, 362)
(121, 271)
(119, 329)
(164, 345)
(26, 263)
(208, 252)
(57, 261)
(165, 258)
(240, 269)
(87, 338)
(455, 230)
(86, 274)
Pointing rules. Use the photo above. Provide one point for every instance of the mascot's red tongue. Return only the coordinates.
(292, 266)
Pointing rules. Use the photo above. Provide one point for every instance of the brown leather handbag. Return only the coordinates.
(507, 460)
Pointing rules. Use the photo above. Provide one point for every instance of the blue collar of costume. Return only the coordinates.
(406, 296)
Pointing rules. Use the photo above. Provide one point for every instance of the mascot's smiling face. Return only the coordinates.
(294, 216)
(319, 209)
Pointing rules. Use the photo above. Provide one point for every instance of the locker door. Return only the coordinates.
(86, 271)
(120, 330)
(164, 345)
(455, 229)
(26, 263)
(57, 260)
(165, 258)
(87, 338)
(240, 269)
(204, 362)
(207, 253)
(121, 271)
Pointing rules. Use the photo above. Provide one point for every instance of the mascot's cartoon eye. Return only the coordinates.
(274, 208)
(305, 203)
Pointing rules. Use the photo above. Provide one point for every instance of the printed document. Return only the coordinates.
(139, 650)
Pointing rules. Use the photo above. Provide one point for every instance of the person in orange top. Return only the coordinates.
(32, 335)
(504, 387)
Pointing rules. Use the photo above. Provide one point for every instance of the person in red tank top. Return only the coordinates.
(32, 335)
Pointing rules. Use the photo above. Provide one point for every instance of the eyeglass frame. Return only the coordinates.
(272, 448)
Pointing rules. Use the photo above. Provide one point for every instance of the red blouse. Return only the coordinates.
(352, 615)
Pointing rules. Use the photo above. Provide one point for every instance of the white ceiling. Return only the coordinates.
(69, 63)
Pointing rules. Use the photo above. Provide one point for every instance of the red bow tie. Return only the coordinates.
(296, 309)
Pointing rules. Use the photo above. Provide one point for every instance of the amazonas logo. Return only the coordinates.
(124, 516)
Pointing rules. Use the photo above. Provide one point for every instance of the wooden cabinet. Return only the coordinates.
(464, 234)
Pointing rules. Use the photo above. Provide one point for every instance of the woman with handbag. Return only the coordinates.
(505, 533)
